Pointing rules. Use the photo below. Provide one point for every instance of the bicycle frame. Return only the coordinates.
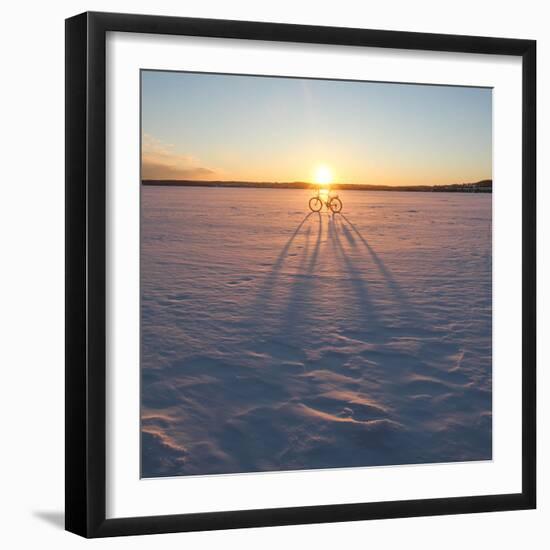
(326, 198)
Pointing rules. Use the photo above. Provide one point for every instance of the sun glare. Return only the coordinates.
(323, 175)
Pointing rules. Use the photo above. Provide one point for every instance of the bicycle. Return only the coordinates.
(332, 202)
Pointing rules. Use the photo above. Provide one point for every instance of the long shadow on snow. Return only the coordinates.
(279, 346)
(390, 280)
(357, 282)
(293, 316)
(266, 289)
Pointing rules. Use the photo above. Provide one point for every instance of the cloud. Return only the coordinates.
(159, 160)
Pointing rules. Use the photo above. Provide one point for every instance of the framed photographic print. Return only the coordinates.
(300, 277)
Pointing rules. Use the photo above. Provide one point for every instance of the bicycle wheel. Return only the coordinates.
(315, 204)
(335, 205)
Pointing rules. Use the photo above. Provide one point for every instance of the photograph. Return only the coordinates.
(315, 274)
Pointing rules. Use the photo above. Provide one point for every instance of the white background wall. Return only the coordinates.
(32, 272)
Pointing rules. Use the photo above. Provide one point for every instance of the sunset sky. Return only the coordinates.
(224, 127)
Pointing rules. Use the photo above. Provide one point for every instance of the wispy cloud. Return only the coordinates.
(159, 160)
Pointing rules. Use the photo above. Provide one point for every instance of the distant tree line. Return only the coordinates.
(483, 186)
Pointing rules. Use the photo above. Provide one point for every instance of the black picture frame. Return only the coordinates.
(86, 274)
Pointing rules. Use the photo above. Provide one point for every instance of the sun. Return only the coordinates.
(323, 175)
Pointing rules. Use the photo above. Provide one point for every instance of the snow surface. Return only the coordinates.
(277, 339)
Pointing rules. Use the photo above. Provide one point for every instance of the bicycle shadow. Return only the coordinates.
(268, 286)
(358, 283)
(395, 288)
(301, 289)
(287, 302)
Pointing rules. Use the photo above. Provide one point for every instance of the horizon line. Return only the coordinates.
(147, 181)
